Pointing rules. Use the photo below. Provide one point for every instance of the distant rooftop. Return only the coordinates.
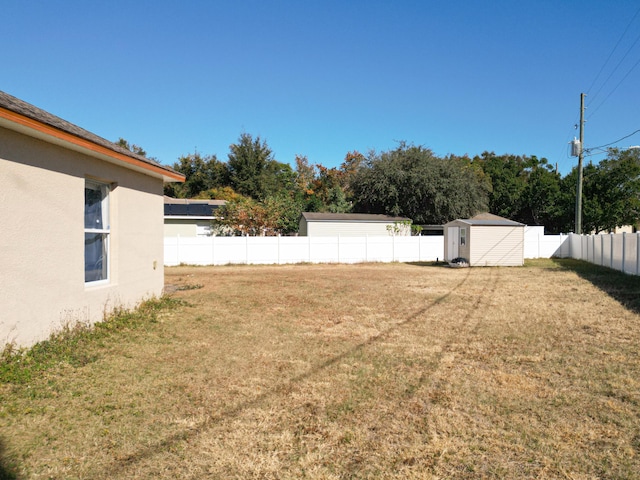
(350, 217)
(489, 219)
(191, 207)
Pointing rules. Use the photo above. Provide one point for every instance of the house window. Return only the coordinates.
(96, 232)
(463, 237)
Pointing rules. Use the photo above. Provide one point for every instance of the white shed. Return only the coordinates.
(485, 240)
(313, 224)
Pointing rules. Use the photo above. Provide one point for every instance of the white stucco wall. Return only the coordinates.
(42, 238)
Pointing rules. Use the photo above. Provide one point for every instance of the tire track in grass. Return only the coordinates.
(120, 466)
(438, 377)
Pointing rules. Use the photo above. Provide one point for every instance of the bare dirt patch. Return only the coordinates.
(360, 371)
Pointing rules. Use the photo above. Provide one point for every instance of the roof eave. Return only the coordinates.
(42, 131)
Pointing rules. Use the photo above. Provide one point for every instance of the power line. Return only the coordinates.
(616, 87)
(610, 55)
(609, 144)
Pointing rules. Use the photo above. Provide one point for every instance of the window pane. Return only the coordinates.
(93, 196)
(95, 257)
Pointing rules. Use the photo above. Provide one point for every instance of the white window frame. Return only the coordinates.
(463, 237)
(104, 229)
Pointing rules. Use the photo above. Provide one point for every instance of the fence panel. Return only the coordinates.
(630, 262)
(280, 250)
(620, 251)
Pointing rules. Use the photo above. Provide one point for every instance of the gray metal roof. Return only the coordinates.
(489, 219)
(25, 109)
(350, 217)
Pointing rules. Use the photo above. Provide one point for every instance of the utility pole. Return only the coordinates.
(578, 229)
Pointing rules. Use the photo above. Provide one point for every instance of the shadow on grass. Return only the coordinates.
(170, 441)
(428, 264)
(620, 286)
(8, 468)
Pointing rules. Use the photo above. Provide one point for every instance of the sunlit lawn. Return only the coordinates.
(334, 371)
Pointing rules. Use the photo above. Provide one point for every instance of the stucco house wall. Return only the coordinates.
(42, 235)
(350, 225)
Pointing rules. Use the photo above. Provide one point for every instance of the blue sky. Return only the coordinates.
(321, 78)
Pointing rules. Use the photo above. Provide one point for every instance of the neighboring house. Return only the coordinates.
(188, 217)
(351, 225)
(485, 240)
(80, 224)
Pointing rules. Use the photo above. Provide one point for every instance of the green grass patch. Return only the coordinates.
(69, 345)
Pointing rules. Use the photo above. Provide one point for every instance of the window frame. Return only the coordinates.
(104, 231)
(463, 237)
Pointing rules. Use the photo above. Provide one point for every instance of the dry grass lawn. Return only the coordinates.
(338, 372)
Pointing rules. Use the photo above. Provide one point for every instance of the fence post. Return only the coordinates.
(637, 253)
(393, 248)
(366, 248)
(178, 249)
(611, 251)
(246, 250)
(213, 249)
(601, 250)
(278, 249)
(624, 249)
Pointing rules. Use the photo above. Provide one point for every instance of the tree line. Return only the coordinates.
(266, 197)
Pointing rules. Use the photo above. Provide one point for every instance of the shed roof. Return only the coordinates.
(350, 217)
(489, 219)
(25, 118)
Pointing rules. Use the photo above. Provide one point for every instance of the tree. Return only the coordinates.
(525, 189)
(278, 179)
(201, 173)
(277, 215)
(131, 147)
(611, 192)
(327, 189)
(353, 161)
(508, 183)
(248, 160)
(305, 173)
(540, 203)
(411, 181)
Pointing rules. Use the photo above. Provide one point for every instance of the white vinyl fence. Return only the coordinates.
(282, 250)
(620, 251)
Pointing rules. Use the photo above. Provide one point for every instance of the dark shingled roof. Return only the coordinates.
(25, 109)
(350, 217)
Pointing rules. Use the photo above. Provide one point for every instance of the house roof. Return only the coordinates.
(189, 207)
(489, 219)
(350, 217)
(25, 118)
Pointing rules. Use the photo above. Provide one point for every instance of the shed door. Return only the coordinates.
(452, 243)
